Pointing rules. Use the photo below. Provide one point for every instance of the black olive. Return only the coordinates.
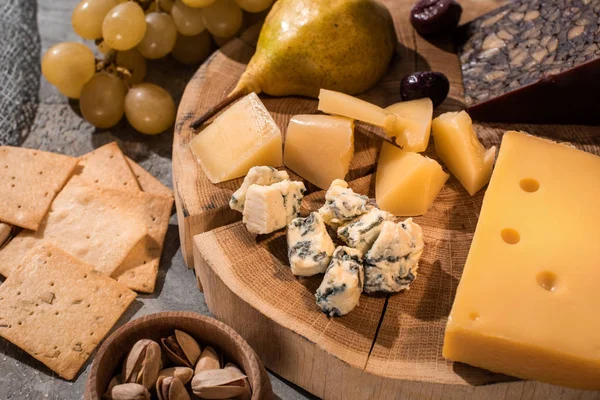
(419, 85)
(430, 17)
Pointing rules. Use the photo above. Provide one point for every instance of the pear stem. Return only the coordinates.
(211, 112)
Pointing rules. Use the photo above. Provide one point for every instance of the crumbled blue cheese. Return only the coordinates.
(263, 176)
(362, 232)
(342, 204)
(343, 282)
(309, 245)
(391, 264)
(269, 208)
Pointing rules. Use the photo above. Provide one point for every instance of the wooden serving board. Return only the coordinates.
(390, 346)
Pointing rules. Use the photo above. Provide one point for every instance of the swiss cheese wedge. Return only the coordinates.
(528, 303)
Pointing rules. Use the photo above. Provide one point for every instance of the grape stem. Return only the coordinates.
(211, 112)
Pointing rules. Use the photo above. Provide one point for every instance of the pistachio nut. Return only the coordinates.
(209, 359)
(127, 391)
(219, 384)
(181, 348)
(170, 388)
(248, 392)
(184, 374)
(143, 363)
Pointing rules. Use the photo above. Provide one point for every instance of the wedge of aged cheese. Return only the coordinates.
(529, 299)
(319, 148)
(413, 123)
(407, 183)
(242, 137)
(269, 208)
(457, 145)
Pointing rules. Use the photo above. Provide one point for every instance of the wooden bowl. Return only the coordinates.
(206, 330)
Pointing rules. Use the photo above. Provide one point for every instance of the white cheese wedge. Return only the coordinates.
(456, 143)
(342, 285)
(263, 176)
(309, 245)
(242, 137)
(407, 183)
(342, 204)
(269, 208)
(392, 262)
(319, 148)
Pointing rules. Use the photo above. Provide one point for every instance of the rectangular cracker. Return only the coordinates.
(106, 166)
(98, 225)
(29, 181)
(57, 308)
(147, 182)
(140, 268)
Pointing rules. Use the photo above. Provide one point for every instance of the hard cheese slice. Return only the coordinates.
(407, 183)
(528, 300)
(319, 148)
(242, 137)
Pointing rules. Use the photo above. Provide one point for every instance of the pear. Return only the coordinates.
(306, 45)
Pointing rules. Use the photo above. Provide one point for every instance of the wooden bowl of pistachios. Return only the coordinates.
(176, 356)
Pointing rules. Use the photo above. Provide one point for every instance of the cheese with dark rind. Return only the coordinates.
(533, 61)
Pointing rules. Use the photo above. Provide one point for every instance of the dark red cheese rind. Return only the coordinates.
(534, 61)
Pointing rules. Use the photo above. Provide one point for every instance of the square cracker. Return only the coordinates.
(106, 166)
(98, 225)
(57, 308)
(147, 182)
(29, 180)
(140, 268)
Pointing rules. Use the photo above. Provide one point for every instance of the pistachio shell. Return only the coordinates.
(218, 384)
(151, 366)
(177, 390)
(134, 360)
(159, 384)
(174, 352)
(248, 392)
(209, 359)
(188, 344)
(184, 374)
(127, 391)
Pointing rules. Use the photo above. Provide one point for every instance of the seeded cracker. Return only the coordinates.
(57, 308)
(98, 225)
(29, 180)
(147, 182)
(106, 166)
(140, 268)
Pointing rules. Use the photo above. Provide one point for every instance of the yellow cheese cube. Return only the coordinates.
(528, 303)
(457, 146)
(407, 183)
(242, 137)
(413, 123)
(319, 148)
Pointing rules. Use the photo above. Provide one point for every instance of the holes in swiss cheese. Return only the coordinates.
(510, 236)
(529, 185)
(547, 280)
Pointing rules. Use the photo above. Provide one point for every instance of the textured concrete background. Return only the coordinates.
(58, 127)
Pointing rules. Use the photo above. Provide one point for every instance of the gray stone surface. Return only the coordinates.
(58, 127)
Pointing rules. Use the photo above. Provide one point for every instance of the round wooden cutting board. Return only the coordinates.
(388, 347)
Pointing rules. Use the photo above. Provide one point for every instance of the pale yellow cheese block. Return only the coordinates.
(413, 123)
(407, 183)
(336, 103)
(457, 145)
(242, 137)
(528, 303)
(319, 148)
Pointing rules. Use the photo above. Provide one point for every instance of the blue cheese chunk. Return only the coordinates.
(269, 208)
(362, 232)
(343, 282)
(309, 245)
(391, 264)
(263, 176)
(342, 204)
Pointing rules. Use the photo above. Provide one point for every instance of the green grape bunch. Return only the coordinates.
(127, 33)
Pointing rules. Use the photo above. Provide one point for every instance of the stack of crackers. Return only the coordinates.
(93, 230)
